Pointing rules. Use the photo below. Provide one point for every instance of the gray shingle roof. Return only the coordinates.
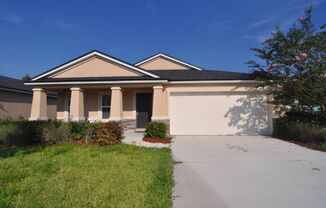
(170, 75)
(17, 84)
(13, 84)
(192, 75)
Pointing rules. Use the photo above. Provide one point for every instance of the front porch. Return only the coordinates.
(134, 105)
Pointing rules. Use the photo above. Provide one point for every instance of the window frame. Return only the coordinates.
(100, 106)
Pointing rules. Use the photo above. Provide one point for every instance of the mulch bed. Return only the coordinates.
(154, 140)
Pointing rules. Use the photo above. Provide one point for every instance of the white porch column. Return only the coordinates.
(39, 105)
(116, 104)
(159, 103)
(77, 104)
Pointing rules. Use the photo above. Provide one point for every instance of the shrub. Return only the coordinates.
(156, 130)
(108, 133)
(286, 128)
(316, 118)
(56, 132)
(20, 132)
(83, 130)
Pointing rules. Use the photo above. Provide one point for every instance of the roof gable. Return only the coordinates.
(94, 64)
(162, 61)
(95, 67)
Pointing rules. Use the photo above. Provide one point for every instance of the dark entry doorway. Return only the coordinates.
(143, 109)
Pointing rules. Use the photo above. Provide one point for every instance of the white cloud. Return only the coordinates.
(260, 23)
(11, 18)
(61, 24)
(148, 4)
(285, 15)
(260, 38)
(220, 26)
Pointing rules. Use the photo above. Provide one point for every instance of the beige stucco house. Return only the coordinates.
(16, 100)
(191, 100)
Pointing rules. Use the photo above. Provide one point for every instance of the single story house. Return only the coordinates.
(188, 98)
(16, 99)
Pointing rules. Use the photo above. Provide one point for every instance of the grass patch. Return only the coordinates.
(85, 176)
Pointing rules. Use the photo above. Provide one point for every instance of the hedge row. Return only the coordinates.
(291, 129)
(23, 133)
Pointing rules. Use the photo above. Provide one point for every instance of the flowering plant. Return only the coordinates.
(292, 65)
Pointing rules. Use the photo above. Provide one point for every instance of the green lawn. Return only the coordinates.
(85, 176)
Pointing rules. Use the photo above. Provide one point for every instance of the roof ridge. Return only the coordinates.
(89, 53)
(180, 61)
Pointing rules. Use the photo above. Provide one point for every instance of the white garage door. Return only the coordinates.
(211, 113)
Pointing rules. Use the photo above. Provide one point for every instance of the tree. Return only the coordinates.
(293, 66)
(26, 77)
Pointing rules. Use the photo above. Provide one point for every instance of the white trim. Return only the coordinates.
(168, 57)
(92, 54)
(97, 82)
(142, 82)
(116, 88)
(213, 81)
(158, 87)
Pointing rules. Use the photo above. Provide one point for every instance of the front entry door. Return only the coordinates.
(143, 109)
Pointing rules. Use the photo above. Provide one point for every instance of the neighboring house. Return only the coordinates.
(191, 100)
(16, 99)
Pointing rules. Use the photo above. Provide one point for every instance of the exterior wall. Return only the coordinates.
(160, 110)
(99, 68)
(52, 108)
(161, 63)
(61, 114)
(232, 87)
(91, 104)
(18, 105)
(128, 104)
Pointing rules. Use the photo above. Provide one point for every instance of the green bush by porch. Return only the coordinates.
(156, 130)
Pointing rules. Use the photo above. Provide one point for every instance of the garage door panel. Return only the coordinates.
(217, 114)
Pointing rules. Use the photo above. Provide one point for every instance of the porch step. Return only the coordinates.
(139, 130)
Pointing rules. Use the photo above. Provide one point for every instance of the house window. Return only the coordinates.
(106, 106)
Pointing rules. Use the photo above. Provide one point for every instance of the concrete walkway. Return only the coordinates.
(247, 171)
(136, 138)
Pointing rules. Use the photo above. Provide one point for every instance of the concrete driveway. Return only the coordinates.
(247, 171)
